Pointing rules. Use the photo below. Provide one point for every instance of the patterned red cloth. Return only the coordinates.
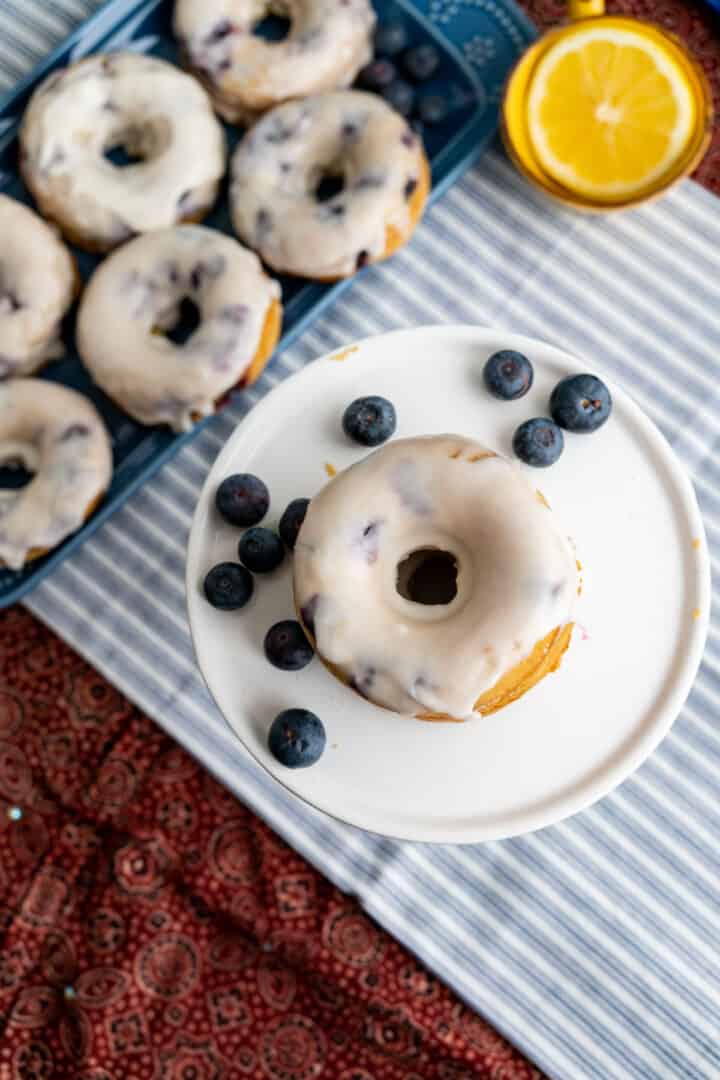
(152, 928)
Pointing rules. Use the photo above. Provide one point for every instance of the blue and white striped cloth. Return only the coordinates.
(594, 944)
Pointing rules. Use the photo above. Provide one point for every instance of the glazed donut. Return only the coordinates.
(326, 46)
(156, 113)
(58, 435)
(434, 580)
(279, 164)
(38, 282)
(135, 296)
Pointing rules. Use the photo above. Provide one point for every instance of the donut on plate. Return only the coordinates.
(38, 282)
(434, 580)
(59, 436)
(327, 44)
(133, 301)
(282, 164)
(159, 116)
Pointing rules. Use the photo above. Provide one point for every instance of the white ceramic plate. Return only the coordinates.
(620, 493)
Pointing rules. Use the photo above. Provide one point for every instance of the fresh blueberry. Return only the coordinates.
(421, 62)
(400, 95)
(580, 403)
(390, 38)
(370, 421)
(293, 517)
(228, 586)
(508, 374)
(286, 646)
(242, 499)
(432, 109)
(261, 550)
(377, 75)
(538, 442)
(297, 738)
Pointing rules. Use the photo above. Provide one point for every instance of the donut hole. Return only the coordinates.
(428, 576)
(272, 27)
(15, 472)
(138, 143)
(181, 323)
(330, 184)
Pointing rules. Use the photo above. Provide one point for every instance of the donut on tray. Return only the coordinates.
(38, 282)
(327, 44)
(282, 164)
(158, 115)
(59, 436)
(133, 301)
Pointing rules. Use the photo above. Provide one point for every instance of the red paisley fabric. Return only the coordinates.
(152, 928)
(691, 20)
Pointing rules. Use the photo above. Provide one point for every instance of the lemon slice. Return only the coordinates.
(609, 111)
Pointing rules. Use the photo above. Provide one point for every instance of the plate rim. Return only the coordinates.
(553, 810)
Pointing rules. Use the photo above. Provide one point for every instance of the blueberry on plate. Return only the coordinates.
(370, 421)
(390, 38)
(291, 520)
(377, 75)
(400, 95)
(286, 646)
(297, 738)
(580, 403)
(508, 374)
(228, 586)
(432, 109)
(242, 499)
(261, 550)
(421, 62)
(538, 442)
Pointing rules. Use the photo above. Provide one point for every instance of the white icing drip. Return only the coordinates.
(516, 581)
(58, 434)
(37, 284)
(277, 165)
(326, 46)
(153, 108)
(139, 288)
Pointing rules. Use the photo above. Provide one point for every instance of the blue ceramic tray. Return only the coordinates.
(479, 41)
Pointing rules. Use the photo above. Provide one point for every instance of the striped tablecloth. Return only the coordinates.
(593, 944)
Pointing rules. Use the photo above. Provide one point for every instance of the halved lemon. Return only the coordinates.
(610, 111)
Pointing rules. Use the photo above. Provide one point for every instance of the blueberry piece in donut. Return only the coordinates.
(318, 231)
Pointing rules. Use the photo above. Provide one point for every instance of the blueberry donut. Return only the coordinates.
(160, 117)
(327, 44)
(58, 435)
(135, 299)
(434, 580)
(38, 282)
(281, 170)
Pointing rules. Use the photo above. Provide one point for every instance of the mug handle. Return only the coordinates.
(584, 9)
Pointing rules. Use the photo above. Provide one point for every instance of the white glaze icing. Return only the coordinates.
(58, 435)
(277, 167)
(139, 287)
(145, 104)
(328, 42)
(37, 285)
(517, 577)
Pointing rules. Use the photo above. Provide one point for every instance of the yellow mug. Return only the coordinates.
(516, 126)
